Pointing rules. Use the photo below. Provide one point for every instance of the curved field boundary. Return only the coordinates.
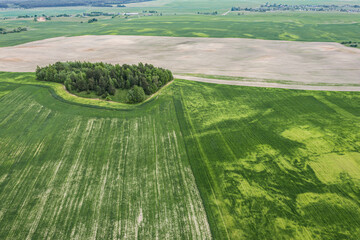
(59, 92)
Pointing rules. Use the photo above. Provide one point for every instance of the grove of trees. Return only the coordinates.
(103, 79)
(15, 30)
(351, 44)
(135, 95)
(92, 20)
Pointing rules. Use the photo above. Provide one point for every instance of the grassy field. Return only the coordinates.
(275, 164)
(70, 171)
(254, 163)
(119, 96)
(328, 27)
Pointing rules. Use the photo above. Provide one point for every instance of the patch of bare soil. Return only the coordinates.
(307, 62)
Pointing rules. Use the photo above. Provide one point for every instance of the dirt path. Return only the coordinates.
(269, 85)
(226, 13)
(316, 63)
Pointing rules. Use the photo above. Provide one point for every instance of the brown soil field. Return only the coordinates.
(312, 63)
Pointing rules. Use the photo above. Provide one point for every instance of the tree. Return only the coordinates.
(40, 73)
(81, 83)
(61, 76)
(67, 84)
(91, 84)
(111, 89)
(135, 95)
(99, 91)
(92, 20)
(145, 85)
(50, 74)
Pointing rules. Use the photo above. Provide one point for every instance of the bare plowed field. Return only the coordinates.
(304, 62)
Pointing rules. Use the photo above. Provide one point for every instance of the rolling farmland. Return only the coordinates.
(251, 163)
(69, 171)
(315, 27)
(275, 164)
(257, 138)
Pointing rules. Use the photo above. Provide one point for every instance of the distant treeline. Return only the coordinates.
(150, 11)
(92, 14)
(96, 14)
(63, 15)
(208, 13)
(306, 7)
(66, 3)
(92, 20)
(351, 44)
(15, 30)
(104, 79)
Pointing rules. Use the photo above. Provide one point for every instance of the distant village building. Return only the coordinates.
(131, 14)
(41, 19)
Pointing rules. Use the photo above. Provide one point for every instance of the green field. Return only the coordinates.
(119, 96)
(253, 163)
(165, 6)
(280, 164)
(180, 19)
(195, 160)
(70, 171)
(327, 27)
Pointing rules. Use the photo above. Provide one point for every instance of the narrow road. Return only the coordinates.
(226, 13)
(270, 85)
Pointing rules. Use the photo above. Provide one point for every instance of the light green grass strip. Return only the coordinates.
(201, 150)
